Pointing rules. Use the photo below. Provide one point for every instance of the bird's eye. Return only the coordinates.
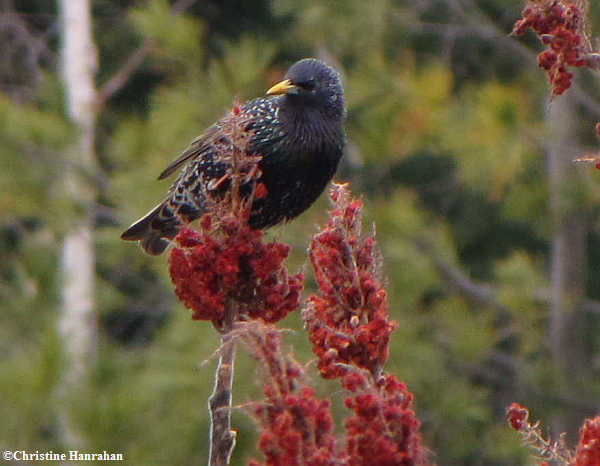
(308, 85)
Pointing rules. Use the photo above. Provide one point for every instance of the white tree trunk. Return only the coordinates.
(77, 326)
(568, 257)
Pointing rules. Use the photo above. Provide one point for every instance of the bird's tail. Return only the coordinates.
(154, 230)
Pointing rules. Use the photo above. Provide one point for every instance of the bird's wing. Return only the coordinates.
(196, 147)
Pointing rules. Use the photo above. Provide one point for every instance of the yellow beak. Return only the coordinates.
(282, 87)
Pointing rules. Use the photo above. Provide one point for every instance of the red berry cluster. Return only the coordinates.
(588, 449)
(296, 427)
(384, 429)
(347, 320)
(559, 24)
(209, 269)
(226, 261)
(587, 452)
(517, 416)
(349, 328)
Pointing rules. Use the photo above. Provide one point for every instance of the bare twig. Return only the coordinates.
(120, 78)
(23, 52)
(222, 438)
(181, 5)
(469, 19)
(484, 293)
(479, 293)
(134, 61)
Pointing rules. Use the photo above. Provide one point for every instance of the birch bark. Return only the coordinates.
(77, 326)
(568, 255)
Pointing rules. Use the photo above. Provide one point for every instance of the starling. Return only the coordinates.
(297, 132)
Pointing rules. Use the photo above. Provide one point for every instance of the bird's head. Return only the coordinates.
(310, 82)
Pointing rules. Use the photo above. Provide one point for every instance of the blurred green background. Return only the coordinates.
(490, 235)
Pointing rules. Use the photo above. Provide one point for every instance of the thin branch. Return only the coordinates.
(134, 61)
(590, 306)
(470, 20)
(121, 77)
(483, 293)
(222, 438)
(480, 293)
(181, 5)
(36, 44)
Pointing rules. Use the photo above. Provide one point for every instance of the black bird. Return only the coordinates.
(296, 129)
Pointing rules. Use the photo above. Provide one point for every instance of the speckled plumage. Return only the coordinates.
(298, 133)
